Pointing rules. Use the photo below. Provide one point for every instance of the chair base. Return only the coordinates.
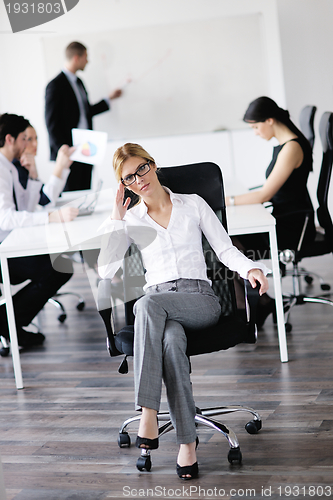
(296, 300)
(55, 302)
(5, 349)
(297, 297)
(308, 277)
(202, 417)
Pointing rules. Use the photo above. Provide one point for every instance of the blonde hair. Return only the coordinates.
(123, 153)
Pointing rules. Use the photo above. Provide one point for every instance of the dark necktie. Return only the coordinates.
(83, 95)
(14, 198)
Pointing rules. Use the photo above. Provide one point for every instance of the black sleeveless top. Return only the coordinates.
(292, 196)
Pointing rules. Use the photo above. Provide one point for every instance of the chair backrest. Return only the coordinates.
(326, 137)
(306, 123)
(204, 179)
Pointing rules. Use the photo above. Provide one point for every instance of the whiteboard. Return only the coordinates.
(185, 78)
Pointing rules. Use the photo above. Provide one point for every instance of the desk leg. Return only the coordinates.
(11, 323)
(278, 296)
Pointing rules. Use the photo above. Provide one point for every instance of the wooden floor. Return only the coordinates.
(58, 437)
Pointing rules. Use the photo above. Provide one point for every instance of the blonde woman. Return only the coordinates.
(178, 293)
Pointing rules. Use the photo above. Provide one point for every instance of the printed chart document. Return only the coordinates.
(90, 146)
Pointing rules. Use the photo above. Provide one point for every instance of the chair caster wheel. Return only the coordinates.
(253, 427)
(4, 352)
(308, 279)
(80, 306)
(289, 327)
(62, 317)
(325, 286)
(124, 440)
(144, 463)
(235, 455)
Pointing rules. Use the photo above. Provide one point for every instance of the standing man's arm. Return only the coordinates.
(104, 105)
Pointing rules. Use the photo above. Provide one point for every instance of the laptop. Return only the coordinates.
(88, 205)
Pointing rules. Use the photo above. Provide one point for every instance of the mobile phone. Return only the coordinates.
(134, 198)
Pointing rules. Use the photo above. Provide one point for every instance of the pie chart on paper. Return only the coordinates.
(89, 149)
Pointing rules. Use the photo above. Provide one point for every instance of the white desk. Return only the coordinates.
(81, 234)
(251, 219)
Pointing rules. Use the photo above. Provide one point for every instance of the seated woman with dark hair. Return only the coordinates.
(178, 292)
(285, 186)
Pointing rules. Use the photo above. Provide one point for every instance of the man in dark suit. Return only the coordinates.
(67, 106)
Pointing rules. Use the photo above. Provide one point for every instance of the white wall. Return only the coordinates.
(182, 80)
(239, 154)
(300, 67)
(22, 58)
(307, 48)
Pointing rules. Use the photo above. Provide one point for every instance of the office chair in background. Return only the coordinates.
(61, 308)
(5, 349)
(323, 243)
(204, 179)
(306, 122)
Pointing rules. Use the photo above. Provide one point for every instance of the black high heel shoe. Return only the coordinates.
(191, 470)
(150, 444)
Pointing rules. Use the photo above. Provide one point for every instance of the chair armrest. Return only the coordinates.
(251, 302)
(104, 306)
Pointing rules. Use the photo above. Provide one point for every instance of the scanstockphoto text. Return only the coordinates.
(31, 8)
(287, 491)
(24, 15)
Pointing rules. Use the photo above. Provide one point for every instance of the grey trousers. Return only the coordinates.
(160, 347)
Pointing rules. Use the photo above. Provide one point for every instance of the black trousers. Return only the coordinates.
(79, 177)
(45, 281)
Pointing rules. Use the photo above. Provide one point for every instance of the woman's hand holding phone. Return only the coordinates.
(119, 207)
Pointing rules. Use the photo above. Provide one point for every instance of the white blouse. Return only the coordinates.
(175, 252)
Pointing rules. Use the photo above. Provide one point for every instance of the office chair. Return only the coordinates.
(204, 179)
(61, 308)
(5, 344)
(4, 350)
(306, 123)
(90, 258)
(323, 243)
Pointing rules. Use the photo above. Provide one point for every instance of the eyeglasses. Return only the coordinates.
(140, 172)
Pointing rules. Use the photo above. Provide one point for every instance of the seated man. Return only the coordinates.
(26, 165)
(17, 205)
(27, 169)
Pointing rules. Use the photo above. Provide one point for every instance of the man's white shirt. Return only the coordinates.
(26, 198)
